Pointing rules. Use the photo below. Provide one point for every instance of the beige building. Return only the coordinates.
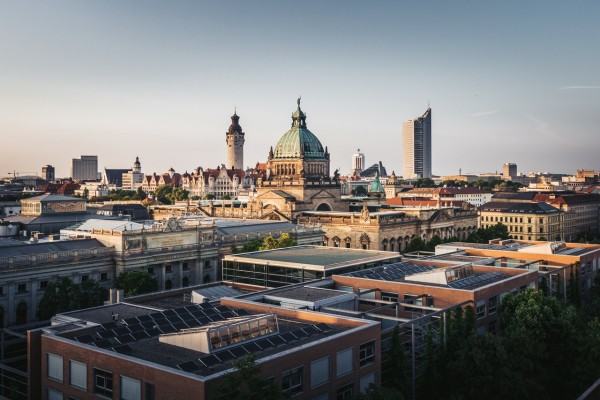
(416, 147)
(580, 213)
(390, 230)
(528, 221)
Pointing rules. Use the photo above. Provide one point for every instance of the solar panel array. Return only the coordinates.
(475, 280)
(116, 336)
(391, 272)
(204, 365)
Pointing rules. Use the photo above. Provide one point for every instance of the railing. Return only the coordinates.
(56, 257)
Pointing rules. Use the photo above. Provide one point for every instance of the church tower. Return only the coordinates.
(235, 144)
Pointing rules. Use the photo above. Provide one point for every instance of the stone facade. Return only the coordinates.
(390, 230)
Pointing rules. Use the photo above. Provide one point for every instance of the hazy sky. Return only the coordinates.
(514, 81)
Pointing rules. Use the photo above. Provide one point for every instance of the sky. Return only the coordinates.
(509, 81)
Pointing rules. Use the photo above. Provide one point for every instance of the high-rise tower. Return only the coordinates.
(235, 144)
(358, 163)
(416, 147)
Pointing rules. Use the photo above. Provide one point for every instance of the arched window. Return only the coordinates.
(185, 281)
(168, 284)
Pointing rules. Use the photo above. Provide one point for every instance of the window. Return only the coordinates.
(344, 361)
(150, 392)
(151, 271)
(319, 372)
(291, 381)
(389, 296)
(185, 266)
(367, 381)
(345, 392)
(43, 285)
(480, 309)
(55, 367)
(84, 278)
(131, 389)
(492, 304)
(168, 268)
(54, 394)
(104, 276)
(21, 288)
(207, 264)
(103, 382)
(367, 353)
(1, 290)
(78, 374)
(492, 327)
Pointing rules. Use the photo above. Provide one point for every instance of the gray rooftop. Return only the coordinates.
(49, 197)
(49, 247)
(305, 293)
(316, 255)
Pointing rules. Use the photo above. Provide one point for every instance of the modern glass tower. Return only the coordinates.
(416, 147)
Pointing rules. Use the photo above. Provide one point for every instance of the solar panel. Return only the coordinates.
(180, 325)
(222, 309)
(173, 319)
(106, 334)
(299, 333)
(242, 312)
(217, 317)
(167, 329)
(140, 335)
(180, 310)
(239, 351)
(156, 315)
(131, 321)
(121, 330)
(264, 343)
(228, 314)
(144, 318)
(210, 360)
(153, 332)
(204, 320)
(168, 313)
(311, 330)
(85, 339)
(189, 366)
(193, 307)
(323, 327)
(136, 327)
(125, 339)
(103, 343)
(252, 347)
(225, 355)
(288, 337)
(276, 340)
(187, 317)
(206, 305)
(123, 349)
(109, 325)
(148, 325)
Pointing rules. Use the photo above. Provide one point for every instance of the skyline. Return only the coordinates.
(160, 81)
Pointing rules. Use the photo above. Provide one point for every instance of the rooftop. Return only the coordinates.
(18, 249)
(138, 330)
(319, 256)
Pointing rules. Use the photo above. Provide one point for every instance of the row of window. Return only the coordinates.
(23, 286)
(131, 389)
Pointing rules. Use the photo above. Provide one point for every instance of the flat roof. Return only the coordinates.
(304, 293)
(137, 335)
(321, 256)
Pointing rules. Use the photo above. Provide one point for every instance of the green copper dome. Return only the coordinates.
(299, 142)
(375, 186)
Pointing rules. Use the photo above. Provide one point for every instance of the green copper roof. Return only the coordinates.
(299, 141)
(375, 186)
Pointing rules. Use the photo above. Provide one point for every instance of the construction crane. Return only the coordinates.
(16, 174)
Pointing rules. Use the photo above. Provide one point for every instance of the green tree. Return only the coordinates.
(416, 244)
(395, 367)
(283, 241)
(63, 295)
(226, 197)
(136, 282)
(140, 194)
(252, 245)
(245, 383)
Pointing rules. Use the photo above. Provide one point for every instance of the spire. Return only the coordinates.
(298, 117)
(235, 126)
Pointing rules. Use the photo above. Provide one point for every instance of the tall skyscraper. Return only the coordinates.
(416, 147)
(235, 144)
(358, 163)
(48, 173)
(84, 168)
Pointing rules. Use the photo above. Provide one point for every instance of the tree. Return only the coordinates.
(245, 383)
(395, 367)
(271, 243)
(226, 197)
(360, 191)
(63, 295)
(136, 282)
(252, 245)
(416, 244)
(140, 194)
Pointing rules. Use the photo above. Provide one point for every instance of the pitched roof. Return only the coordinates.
(49, 197)
(49, 247)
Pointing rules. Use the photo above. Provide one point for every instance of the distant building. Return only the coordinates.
(358, 163)
(377, 168)
(416, 147)
(509, 171)
(48, 173)
(84, 168)
(235, 144)
(133, 178)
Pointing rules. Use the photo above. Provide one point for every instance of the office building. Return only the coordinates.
(48, 173)
(84, 168)
(416, 147)
(509, 171)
